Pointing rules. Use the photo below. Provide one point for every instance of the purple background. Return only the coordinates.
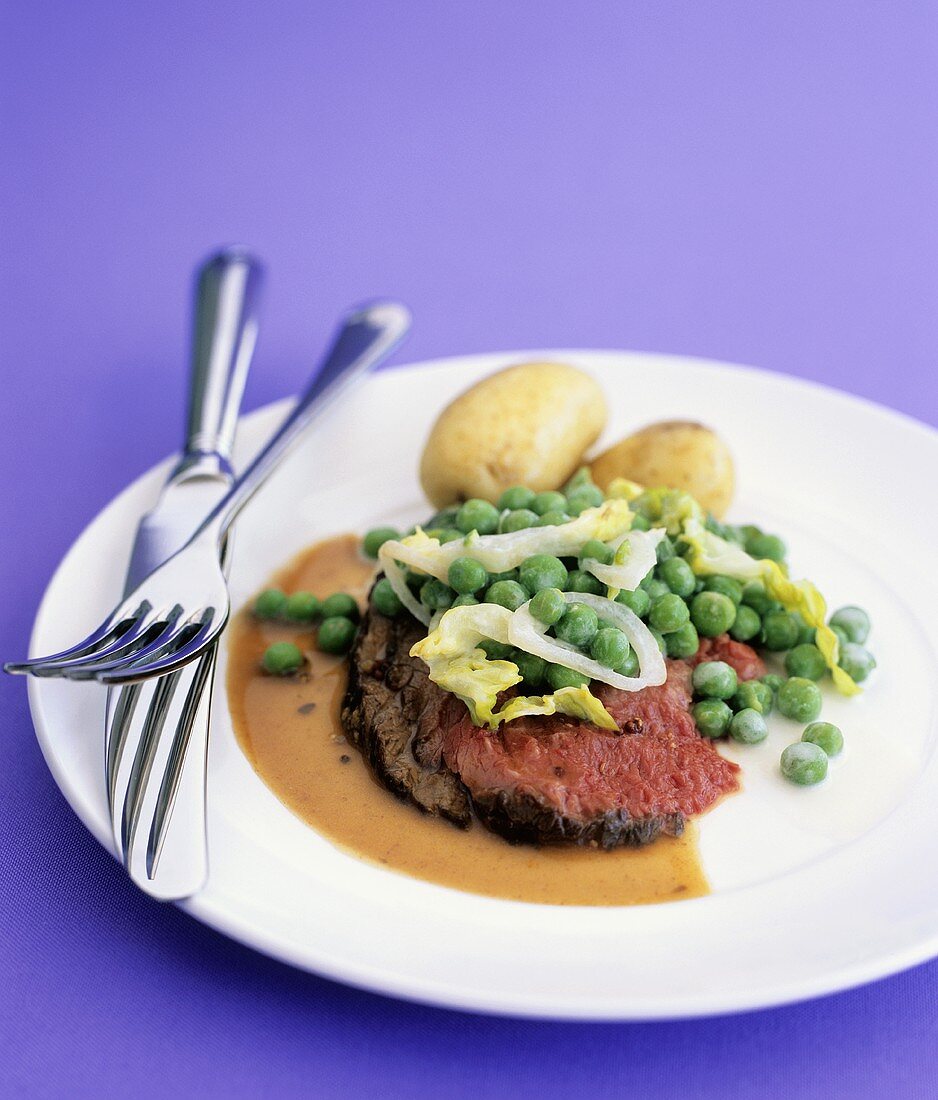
(749, 182)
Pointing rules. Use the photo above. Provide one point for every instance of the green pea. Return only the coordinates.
(726, 586)
(302, 607)
(779, 631)
(659, 640)
(640, 523)
(825, 734)
(748, 727)
(664, 551)
(655, 588)
(270, 603)
(583, 497)
(799, 699)
(842, 636)
(753, 695)
(553, 518)
(477, 515)
(508, 575)
(548, 502)
(335, 634)
(712, 716)
(712, 613)
(436, 595)
(856, 661)
(579, 581)
(450, 534)
(853, 621)
(377, 537)
(559, 677)
(466, 575)
(518, 520)
(282, 658)
(715, 680)
(804, 763)
(533, 669)
(668, 612)
(805, 634)
(578, 626)
(678, 576)
(340, 603)
(610, 647)
(773, 682)
(682, 643)
(508, 594)
(630, 666)
(516, 497)
(766, 546)
(415, 578)
(542, 571)
(756, 597)
(638, 601)
(805, 660)
(385, 598)
(579, 479)
(465, 601)
(548, 606)
(446, 517)
(496, 651)
(595, 550)
(746, 625)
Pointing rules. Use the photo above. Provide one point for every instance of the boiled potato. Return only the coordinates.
(526, 425)
(677, 453)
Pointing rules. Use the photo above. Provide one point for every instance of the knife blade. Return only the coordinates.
(187, 496)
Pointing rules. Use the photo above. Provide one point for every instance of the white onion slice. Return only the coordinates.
(398, 581)
(499, 553)
(525, 632)
(630, 573)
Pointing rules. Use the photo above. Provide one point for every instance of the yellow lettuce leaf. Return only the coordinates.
(459, 666)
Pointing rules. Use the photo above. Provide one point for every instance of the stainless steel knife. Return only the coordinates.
(157, 731)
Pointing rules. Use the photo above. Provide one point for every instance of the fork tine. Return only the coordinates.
(122, 707)
(173, 772)
(86, 647)
(162, 634)
(181, 653)
(143, 759)
(137, 637)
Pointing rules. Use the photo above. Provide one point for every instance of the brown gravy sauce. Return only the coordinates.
(290, 731)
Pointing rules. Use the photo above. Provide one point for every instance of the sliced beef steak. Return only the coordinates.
(743, 658)
(389, 705)
(537, 780)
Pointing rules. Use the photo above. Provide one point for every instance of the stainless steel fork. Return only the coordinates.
(157, 731)
(173, 616)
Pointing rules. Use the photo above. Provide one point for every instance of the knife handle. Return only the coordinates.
(227, 295)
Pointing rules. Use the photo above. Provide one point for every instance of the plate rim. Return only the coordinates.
(205, 907)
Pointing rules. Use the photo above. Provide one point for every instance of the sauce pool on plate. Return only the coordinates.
(289, 729)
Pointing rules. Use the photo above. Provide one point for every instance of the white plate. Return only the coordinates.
(813, 890)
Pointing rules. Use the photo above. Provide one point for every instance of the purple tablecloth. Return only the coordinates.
(749, 182)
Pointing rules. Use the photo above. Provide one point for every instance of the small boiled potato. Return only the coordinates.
(526, 425)
(677, 453)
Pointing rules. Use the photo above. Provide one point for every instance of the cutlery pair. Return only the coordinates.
(159, 642)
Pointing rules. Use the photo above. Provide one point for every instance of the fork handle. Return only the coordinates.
(367, 336)
(227, 296)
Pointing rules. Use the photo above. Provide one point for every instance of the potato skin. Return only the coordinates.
(528, 424)
(677, 453)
